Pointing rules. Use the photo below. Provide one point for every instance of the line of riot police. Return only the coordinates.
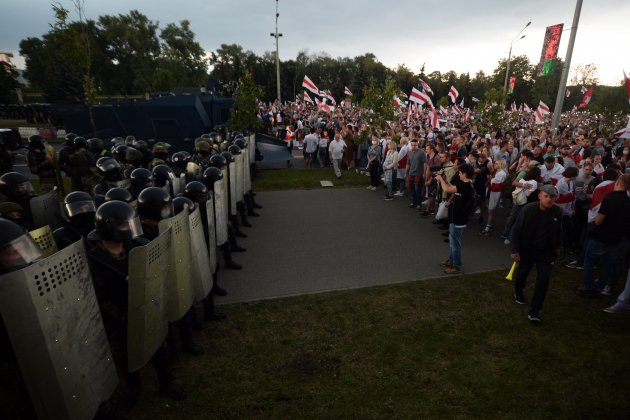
(126, 276)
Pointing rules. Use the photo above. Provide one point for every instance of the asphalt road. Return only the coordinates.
(334, 239)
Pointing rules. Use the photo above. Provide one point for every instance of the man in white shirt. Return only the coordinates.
(551, 171)
(310, 147)
(335, 149)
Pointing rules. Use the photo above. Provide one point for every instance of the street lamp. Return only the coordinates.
(277, 35)
(515, 40)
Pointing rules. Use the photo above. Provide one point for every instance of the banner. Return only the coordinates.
(549, 50)
(512, 83)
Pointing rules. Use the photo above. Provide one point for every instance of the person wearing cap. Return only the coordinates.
(535, 241)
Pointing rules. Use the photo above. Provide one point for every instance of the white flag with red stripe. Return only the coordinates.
(397, 102)
(346, 91)
(433, 118)
(453, 94)
(587, 98)
(419, 97)
(626, 82)
(461, 103)
(599, 193)
(467, 116)
(526, 108)
(540, 117)
(543, 108)
(583, 90)
(456, 110)
(474, 99)
(443, 110)
(330, 97)
(513, 107)
(426, 87)
(307, 98)
(567, 93)
(309, 85)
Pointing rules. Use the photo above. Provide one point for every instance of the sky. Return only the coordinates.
(459, 35)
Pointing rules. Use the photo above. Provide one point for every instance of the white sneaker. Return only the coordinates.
(373, 188)
(398, 194)
(506, 242)
(369, 187)
(607, 291)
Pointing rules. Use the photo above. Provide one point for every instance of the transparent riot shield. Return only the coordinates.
(212, 233)
(232, 188)
(251, 148)
(239, 178)
(247, 180)
(45, 239)
(179, 183)
(226, 190)
(54, 324)
(220, 212)
(179, 287)
(46, 210)
(200, 264)
(147, 325)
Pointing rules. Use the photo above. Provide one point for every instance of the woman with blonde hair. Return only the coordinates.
(389, 167)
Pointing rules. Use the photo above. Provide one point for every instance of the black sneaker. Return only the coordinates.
(534, 317)
(388, 198)
(588, 293)
(520, 299)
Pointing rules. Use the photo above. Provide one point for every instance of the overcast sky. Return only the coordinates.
(459, 35)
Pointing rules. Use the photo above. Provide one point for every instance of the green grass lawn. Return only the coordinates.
(305, 179)
(442, 348)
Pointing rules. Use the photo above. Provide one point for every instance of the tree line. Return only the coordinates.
(129, 54)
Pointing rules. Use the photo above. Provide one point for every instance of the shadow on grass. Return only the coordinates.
(449, 347)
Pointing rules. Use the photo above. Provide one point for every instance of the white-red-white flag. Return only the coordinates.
(627, 84)
(567, 93)
(307, 98)
(526, 108)
(433, 118)
(474, 99)
(543, 108)
(513, 107)
(587, 98)
(330, 97)
(539, 116)
(443, 110)
(346, 91)
(420, 97)
(461, 103)
(309, 85)
(426, 87)
(467, 116)
(456, 110)
(583, 90)
(453, 94)
(397, 102)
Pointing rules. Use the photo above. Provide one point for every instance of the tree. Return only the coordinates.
(585, 75)
(182, 56)
(244, 117)
(8, 83)
(229, 62)
(545, 88)
(378, 98)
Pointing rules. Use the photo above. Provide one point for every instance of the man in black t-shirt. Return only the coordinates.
(458, 213)
(536, 241)
(603, 247)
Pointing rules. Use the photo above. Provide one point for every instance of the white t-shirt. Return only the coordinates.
(336, 148)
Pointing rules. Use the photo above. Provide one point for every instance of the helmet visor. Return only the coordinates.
(19, 253)
(80, 207)
(127, 229)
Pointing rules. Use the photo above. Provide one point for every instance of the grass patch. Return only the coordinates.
(305, 179)
(442, 348)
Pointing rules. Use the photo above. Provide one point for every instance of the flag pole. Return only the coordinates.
(565, 71)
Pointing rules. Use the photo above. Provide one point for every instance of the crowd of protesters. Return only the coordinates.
(460, 172)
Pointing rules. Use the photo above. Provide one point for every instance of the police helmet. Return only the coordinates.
(141, 178)
(211, 175)
(17, 247)
(71, 136)
(95, 144)
(180, 159)
(229, 157)
(129, 140)
(78, 202)
(241, 142)
(196, 191)
(234, 149)
(180, 202)
(36, 141)
(217, 161)
(14, 184)
(80, 142)
(117, 221)
(154, 204)
(119, 194)
(161, 174)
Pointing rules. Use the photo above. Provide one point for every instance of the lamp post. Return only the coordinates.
(507, 70)
(276, 35)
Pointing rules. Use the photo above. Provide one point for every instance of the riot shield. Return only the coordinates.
(251, 149)
(220, 213)
(239, 178)
(167, 188)
(247, 180)
(212, 233)
(54, 323)
(147, 325)
(232, 188)
(46, 210)
(45, 239)
(179, 183)
(201, 272)
(179, 288)
(226, 190)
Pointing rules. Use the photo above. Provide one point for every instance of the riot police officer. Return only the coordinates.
(117, 231)
(95, 146)
(160, 155)
(119, 194)
(42, 161)
(18, 189)
(15, 213)
(110, 177)
(140, 179)
(82, 162)
(179, 162)
(79, 208)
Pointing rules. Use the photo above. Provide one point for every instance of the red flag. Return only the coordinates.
(426, 87)
(309, 85)
(627, 82)
(453, 93)
(586, 99)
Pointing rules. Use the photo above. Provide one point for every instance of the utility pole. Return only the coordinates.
(507, 69)
(277, 35)
(565, 71)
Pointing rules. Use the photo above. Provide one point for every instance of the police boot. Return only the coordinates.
(184, 325)
(242, 211)
(216, 289)
(235, 227)
(209, 314)
(252, 194)
(234, 247)
(227, 258)
(195, 321)
(250, 205)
